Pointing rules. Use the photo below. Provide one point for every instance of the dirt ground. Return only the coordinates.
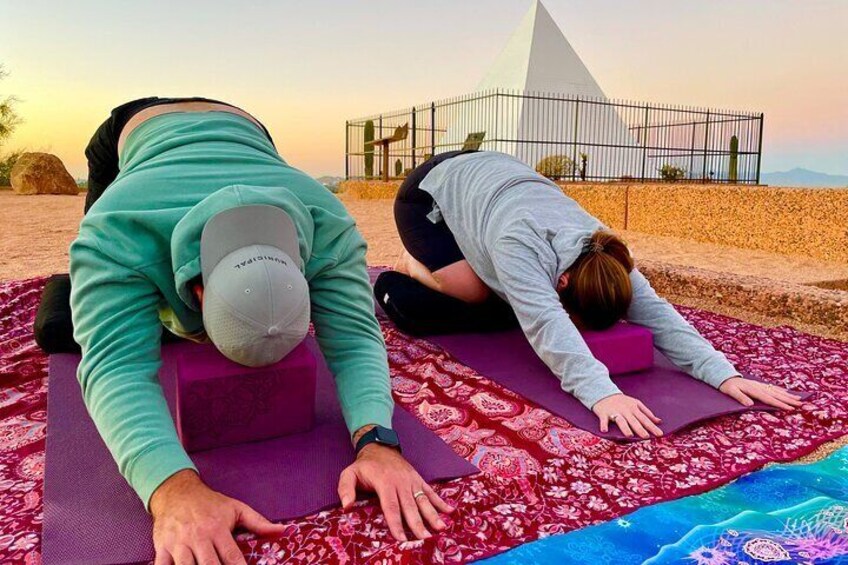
(37, 231)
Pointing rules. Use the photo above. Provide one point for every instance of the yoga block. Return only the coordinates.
(219, 402)
(624, 348)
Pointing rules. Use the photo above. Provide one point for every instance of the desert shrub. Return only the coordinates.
(8, 116)
(8, 161)
(555, 167)
(672, 172)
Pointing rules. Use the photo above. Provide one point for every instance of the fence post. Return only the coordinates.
(574, 146)
(380, 136)
(692, 150)
(497, 133)
(645, 142)
(413, 137)
(432, 129)
(760, 149)
(347, 150)
(706, 142)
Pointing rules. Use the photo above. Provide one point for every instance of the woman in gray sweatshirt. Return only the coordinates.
(476, 223)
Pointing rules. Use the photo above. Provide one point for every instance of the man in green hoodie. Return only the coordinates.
(194, 221)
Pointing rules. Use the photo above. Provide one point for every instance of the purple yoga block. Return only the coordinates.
(220, 402)
(624, 348)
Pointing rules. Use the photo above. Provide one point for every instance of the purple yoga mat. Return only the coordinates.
(677, 398)
(507, 359)
(92, 516)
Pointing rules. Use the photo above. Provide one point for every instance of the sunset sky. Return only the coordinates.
(303, 67)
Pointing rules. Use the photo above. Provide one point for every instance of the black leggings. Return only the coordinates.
(53, 329)
(433, 245)
(413, 307)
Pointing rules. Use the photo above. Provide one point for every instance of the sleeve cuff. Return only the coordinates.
(154, 467)
(598, 393)
(717, 371)
(371, 412)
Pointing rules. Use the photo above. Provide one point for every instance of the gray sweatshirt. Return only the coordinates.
(520, 233)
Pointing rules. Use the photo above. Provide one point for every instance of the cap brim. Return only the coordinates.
(239, 227)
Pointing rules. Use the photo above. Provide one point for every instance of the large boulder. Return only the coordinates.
(42, 173)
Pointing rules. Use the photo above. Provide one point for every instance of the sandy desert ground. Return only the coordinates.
(37, 230)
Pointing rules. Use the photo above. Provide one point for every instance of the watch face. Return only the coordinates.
(387, 436)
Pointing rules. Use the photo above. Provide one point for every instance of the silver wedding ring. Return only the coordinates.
(417, 494)
(615, 416)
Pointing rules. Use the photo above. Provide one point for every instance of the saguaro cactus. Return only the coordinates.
(398, 168)
(369, 148)
(734, 159)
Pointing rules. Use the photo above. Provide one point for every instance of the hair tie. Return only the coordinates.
(596, 247)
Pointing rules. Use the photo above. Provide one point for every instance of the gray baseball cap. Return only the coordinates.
(255, 297)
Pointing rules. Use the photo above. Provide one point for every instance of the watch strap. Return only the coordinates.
(372, 436)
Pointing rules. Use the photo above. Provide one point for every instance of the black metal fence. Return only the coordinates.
(564, 138)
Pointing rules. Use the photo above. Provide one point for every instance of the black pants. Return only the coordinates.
(413, 307)
(433, 245)
(53, 328)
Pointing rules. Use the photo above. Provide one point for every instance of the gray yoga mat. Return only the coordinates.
(92, 516)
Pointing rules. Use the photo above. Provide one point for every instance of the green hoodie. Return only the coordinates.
(138, 251)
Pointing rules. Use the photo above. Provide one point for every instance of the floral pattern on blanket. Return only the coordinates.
(540, 476)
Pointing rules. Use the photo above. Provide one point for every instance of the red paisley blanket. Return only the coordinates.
(540, 475)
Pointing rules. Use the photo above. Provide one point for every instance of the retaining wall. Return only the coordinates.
(793, 221)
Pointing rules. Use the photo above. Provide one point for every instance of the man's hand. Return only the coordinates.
(745, 391)
(193, 524)
(629, 414)
(383, 470)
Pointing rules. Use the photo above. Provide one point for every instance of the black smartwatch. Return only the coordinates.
(381, 435)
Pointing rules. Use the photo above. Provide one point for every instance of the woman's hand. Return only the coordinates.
(629, 414)
(383, 470)
(746, 391)
(193, 524)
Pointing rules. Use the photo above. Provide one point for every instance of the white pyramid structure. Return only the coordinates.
(539, 60)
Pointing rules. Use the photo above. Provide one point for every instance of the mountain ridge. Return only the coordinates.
(799, 176)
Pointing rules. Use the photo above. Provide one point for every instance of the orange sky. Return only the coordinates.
(304, 67)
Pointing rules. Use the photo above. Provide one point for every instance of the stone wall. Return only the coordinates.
(369, 189)
(806, 304)
(792, 221)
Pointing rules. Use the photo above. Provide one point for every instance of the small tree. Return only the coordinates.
(8, 117)
(8, 121)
